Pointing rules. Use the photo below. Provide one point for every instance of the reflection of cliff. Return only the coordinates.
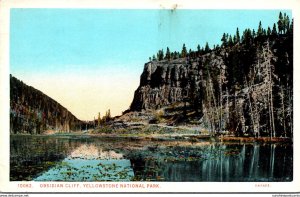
(90, 151)
(244, 88)
(31, 111)
(237, 163)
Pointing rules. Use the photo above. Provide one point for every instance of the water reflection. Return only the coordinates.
(89, 163)
(30, 155)
(270, 162)
(90, 151)
(96, 159)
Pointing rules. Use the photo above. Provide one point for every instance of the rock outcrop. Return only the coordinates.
(165, 82)
(33, 112)
(245, 88)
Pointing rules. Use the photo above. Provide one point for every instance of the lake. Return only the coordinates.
(87, 158)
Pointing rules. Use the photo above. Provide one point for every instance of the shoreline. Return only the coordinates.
(169, 137)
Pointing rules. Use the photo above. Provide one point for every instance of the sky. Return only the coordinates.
(90, 60)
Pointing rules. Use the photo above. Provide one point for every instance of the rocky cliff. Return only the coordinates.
(246, 88)
(31, 111)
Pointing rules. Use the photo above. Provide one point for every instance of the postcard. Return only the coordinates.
(149, 97)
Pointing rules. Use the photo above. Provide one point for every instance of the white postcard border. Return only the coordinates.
(7, 186)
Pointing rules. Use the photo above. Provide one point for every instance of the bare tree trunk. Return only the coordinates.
(271, 86)
(254, 116)
(214, 100)
(270, 92)
(240, 113)
(227, 107)
(283, 110)
(221, 99)
(291, 110)
(209, 111)
(271, 105)
(270, 116)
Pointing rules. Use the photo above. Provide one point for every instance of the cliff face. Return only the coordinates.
(165, 82)
(162, 83)
(245, 88)
(31, 111)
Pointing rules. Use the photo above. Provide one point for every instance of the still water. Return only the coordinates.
(84, 158)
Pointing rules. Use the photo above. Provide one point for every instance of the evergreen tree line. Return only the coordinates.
(31, 111)
(253, 94)
(284, 26)
(102, 121)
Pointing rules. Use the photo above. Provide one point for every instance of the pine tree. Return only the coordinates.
(190, 52)
(259, 30)
(168, 55)
(280, 23)
(247, 37)
(269, 31)
(160, 55)
(207, 49)
(104, 119)
(183, 51)
(238, 39)
(198, 49)
(176, 55)
(153, 58)
(224, 40)
(264, 32)
(274, 31)
(286, 23)
(253, 33)
(172, 56)
(290, 30)
(99, 119)
(230, 42)
(234, 39)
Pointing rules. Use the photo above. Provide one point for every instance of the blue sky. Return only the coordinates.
(45, 43)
